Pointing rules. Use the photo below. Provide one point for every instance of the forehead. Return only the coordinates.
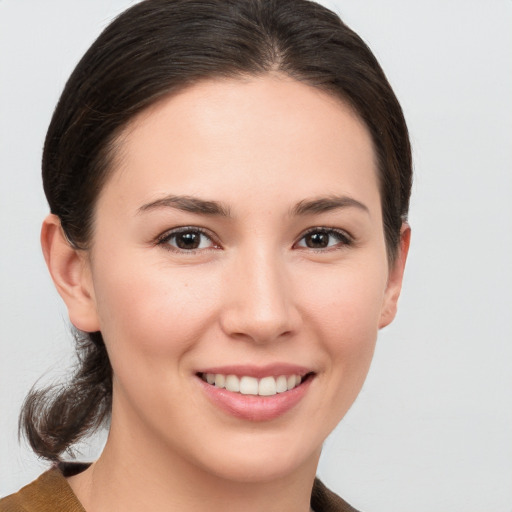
(253, 134)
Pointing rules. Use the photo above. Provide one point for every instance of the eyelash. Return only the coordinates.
(164, 239)
(344, 239)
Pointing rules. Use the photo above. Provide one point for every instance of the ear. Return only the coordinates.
(395, 278)
(70, 271)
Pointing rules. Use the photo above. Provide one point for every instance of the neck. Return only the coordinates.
(134, 476)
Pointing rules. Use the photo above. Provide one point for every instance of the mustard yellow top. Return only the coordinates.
(52, 493)
(49, 493)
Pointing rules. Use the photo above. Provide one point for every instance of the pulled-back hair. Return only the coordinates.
(157, 48)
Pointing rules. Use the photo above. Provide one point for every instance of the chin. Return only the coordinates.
(264, 467)
(259, 457)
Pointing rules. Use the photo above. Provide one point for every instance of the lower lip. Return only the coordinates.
(255, 407)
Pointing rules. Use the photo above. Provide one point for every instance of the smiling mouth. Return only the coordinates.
(247, 385)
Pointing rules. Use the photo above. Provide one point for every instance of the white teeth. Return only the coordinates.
(249, 386)
(220, 380)
(266, 386)
(233, 383)
(281, 384)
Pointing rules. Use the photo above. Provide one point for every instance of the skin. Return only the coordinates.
(252, 293)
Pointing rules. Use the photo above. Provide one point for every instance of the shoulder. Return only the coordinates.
(49, 493)
(324, 500)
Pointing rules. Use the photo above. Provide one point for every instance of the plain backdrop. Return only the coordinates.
(432, 428)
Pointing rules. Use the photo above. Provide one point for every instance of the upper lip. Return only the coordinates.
(274, 369)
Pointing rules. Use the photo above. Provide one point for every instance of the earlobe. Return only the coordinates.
(396, 274)
(70, 272)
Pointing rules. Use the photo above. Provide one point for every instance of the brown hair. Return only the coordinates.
(158, 47)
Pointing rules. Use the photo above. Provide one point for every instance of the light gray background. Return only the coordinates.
(432, 428)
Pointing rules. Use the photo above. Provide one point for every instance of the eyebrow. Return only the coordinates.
(188, 204)
(214, 208)
(326, 204)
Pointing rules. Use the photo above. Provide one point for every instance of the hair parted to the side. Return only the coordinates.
(157, 48)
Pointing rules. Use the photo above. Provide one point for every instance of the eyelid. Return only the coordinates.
(163, 238)
(346, 239)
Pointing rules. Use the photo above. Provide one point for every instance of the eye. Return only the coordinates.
(186, 239)
(324, 238)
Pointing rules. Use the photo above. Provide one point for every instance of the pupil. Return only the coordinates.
(317, 240)
(188, 240)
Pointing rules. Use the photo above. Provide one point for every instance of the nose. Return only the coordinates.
(260, 305)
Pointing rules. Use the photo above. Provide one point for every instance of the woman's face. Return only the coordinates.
(240, 235)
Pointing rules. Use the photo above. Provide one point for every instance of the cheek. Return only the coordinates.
(153, 312)
(347, 301)
(343, 308)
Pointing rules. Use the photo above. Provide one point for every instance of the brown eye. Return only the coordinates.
(318, 240)
(186, 240)
(190, 240)
(324, 239)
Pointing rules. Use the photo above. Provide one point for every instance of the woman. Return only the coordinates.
(229, 185)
